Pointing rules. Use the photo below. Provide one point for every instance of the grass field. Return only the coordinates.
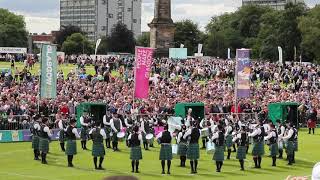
(16, 163)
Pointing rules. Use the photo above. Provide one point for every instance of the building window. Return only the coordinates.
(129, 9)
(104, 2)
(110, 15)
(134, 20)
(103, 28)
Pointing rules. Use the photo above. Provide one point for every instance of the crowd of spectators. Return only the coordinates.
(206, 80)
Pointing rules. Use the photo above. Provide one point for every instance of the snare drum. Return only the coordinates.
(120, 135)
(204, 132)
(174, 149)
(210, 147)
(149, 136)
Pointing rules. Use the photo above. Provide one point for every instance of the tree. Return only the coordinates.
(144, 40)
(65, 32)
(289, 33)
(103, 47)
(187, 33)
(13, 31)
(309, 26)
(77, 43)
(121, 39)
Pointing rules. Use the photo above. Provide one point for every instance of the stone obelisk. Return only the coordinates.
(162, 28)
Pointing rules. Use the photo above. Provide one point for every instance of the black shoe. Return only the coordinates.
(168, 172)
(101, 168)
(70, 165)
(242, 169)
(36, 158)
(218, 170)
(137, 171)
(132, 171)
(290, 164)
(163, 172)
(274, 165)
(195, 172)
(280, 157)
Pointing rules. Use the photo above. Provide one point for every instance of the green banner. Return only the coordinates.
(48, 87)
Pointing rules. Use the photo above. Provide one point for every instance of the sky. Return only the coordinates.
(43, 15)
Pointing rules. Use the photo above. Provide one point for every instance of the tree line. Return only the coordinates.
(262, 29)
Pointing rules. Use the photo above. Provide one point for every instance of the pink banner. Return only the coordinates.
(142, 72)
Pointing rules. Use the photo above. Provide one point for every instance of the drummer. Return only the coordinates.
(107, 127)
(129, 125)
(116, 126)
(182, 146)
(145, 129)
(228, 134)
(204, 125)
(241, 140)
(188, 119)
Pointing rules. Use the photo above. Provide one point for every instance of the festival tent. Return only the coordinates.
(284, 111)
(95, 110)
(181, 109)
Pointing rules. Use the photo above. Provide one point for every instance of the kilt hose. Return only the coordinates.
(84, 133)
(71, 148)
(44, 145)
(62, 137)
(241, 152)
(193, 152)
(182, 149)
(274, 150)
(135, 153)
(98, 149)
(218, 153)
(229, 141)
(165, 152)
(290, 148)
(295, 144)
(258, 149)
(35, 142)
(115, 138)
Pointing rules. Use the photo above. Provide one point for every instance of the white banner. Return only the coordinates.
(199, 48)
(229, 53)
(97, 45)
(280, 55)
(13, 50)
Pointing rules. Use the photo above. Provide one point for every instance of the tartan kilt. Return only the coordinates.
(258, 149)
(62, 137)
(35, 142)
(98, 149)
(193, 152)
(229, 141)
(218, 153)
(182, 149)
(295, 144)
(136, 153)
(44, 145)
(107, 130)
(71, 148)
(241, 152)
(290, 148)
(84, 133)
(274, 150)
(165, 152)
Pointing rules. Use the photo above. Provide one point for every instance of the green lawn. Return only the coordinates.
(17, 163)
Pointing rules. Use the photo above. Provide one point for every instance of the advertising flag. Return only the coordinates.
(48, 85)
(143, 61)
(243, 71)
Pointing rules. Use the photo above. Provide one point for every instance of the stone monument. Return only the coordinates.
(162, 28)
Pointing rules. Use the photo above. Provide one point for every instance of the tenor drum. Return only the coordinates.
(174, 149)
(121, 135)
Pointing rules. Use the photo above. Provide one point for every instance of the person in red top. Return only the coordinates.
(312, 120)
(64, 109)
(233, 109)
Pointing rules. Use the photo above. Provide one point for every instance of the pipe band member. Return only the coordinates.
(44, 139)
(116, 126)
(193, 153)
(62, 124)
(84, 121)
(281, 130)
(182, 146)
(241, 140)
(219, 140)
(258, 144)
(273, 143)
(98, 135)
(135, 141)
(107, 128)
(35, 131)
(164, 138)
(71, 135)
(290, 138)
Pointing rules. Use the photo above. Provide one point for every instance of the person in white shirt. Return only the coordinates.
(258, 144)
(241, 139)
(62, 124)
(35, 131)
(98, 135)
(219, 140)
(164, 138)
(116, 126)
(290, 137)
(272, 137)
(107, 128)
(85, 122)
(280, 130)
(182, 146)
